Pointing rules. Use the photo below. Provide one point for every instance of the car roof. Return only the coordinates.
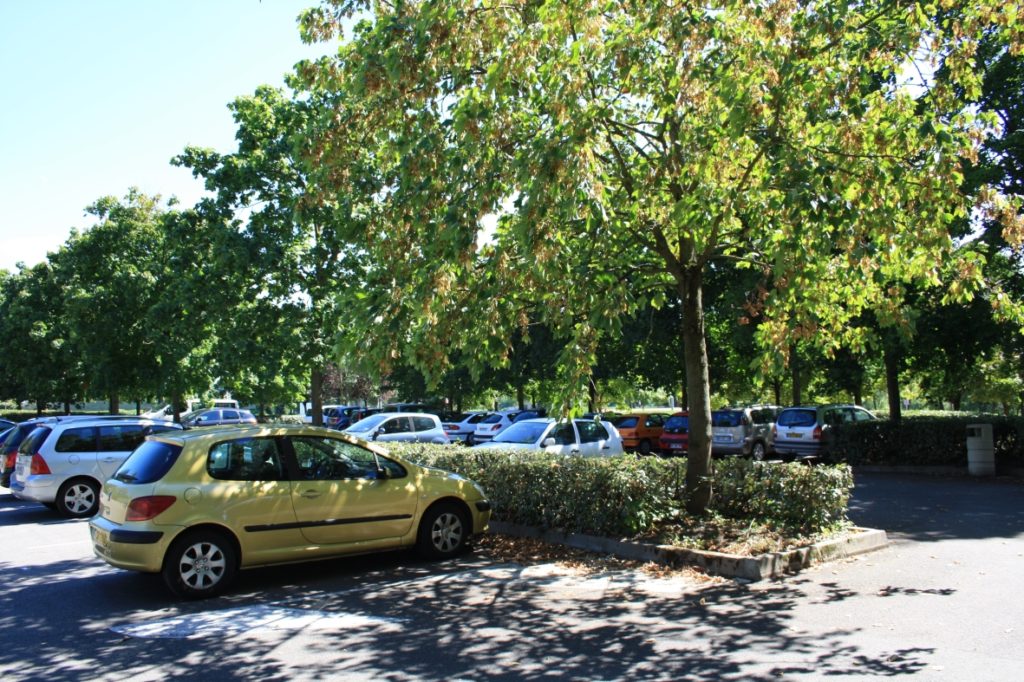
(239, 431)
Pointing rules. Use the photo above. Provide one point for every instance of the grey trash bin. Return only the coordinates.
(981, 452)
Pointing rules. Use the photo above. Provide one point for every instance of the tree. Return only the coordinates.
(626, 147)
(110, 288)
(294, 238)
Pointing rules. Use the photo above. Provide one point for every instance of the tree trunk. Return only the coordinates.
(956, 400)
(858, 396)
(891, 357)
(67, 407)
(316, 387)
(695, 353)
(177, 405)
(777, 390)
(115, 404)
(39, 408)
(794, 367)
(592, 396)
(521, 396)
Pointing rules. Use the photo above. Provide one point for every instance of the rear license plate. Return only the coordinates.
(794, 435)
(723, 439)
(101, 539)
(676, 446)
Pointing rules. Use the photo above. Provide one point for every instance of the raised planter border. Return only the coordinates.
(761, 567)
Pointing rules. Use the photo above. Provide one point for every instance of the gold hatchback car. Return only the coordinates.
(199, 505)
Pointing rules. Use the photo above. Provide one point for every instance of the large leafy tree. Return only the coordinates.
(111, 285)
(294, 238)
(628, 146)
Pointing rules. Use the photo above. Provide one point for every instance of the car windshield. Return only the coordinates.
(626, 422)
(677, 422)
(523, 433)
(370, 423)
(726, 418)
(797, 418)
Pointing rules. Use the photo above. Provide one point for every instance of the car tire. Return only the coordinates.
(470, 441)
(78, 498)
(758, 451)
(644, 448)
(200, 564)
(444, 531)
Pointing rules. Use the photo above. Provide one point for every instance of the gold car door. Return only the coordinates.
(339, 496)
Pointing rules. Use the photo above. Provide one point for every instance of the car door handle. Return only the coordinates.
(310, 494)
(107, 460)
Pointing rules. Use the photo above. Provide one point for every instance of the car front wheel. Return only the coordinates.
(444, 531)
(78, 498)
(200, 564)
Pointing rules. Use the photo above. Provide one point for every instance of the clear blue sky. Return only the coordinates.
(97, 96)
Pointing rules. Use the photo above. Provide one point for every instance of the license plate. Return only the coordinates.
(723, 439)
(794, 435)
(101, 539)
(676, 446)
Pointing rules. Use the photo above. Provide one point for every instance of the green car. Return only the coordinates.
(197, 506)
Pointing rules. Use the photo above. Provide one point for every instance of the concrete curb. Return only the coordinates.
(727, 565)
(933, 470)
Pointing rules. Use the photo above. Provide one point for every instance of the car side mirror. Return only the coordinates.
(378, 432)
(548, 442)
(382, 473)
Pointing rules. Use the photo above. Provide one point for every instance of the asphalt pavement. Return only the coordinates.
(942, 602)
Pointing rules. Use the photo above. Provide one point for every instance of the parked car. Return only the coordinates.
(583, 437)
(197, 506)
(461, 427)
(675, 435)
(63, 463)
(806, 431)
(743, 431)
(6, 424)
(340, 417)
(496, 422)
(641, 431)
(400, 426)
(217, 417)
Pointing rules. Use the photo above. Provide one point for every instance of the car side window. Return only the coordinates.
(77, 440)
(230, 414)
(563, 434)
(653, 420)
(120, 437)
(396, 425)
(246, 459)
(422, 424)
(329, 459)
(862, 416)
(591, 431)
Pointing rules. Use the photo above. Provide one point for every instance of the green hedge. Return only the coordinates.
(925, 440)
(626, 496)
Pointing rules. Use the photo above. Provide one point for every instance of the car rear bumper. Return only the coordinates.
(135, 550)
(38, 488)
(783, 447)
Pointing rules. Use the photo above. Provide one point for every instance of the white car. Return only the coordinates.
(63, 463)
(582, 437)
(464, 429)
(497, 422)
(414, 427)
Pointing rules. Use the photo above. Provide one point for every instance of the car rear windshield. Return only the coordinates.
(148, 463)
(797, 418)
(493, 419)
(16, 436)
(727, 418)
(677, 423)
(626, 423)
(35, 440)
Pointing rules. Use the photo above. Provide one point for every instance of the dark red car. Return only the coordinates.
(675, 435)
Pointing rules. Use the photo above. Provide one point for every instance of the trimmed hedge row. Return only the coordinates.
(626, 496)
(925, 440)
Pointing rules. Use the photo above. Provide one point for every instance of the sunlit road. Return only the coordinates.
(943, 602)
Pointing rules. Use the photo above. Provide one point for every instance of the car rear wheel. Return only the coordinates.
(644, 448)
(758, 452)
(444, 531)
(200, 564)
(78, 498)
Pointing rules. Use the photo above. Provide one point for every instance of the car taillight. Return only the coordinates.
(495, 427)
(451, 427)
(817, 433)
(145, 508)
(39, 465)
(775, 432)
(9, 459)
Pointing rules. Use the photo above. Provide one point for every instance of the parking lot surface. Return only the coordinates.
(942, 602)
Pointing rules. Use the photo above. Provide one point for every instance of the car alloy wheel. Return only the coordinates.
(199, 564)
(443, 532)
(78, 498)
(757, 452)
